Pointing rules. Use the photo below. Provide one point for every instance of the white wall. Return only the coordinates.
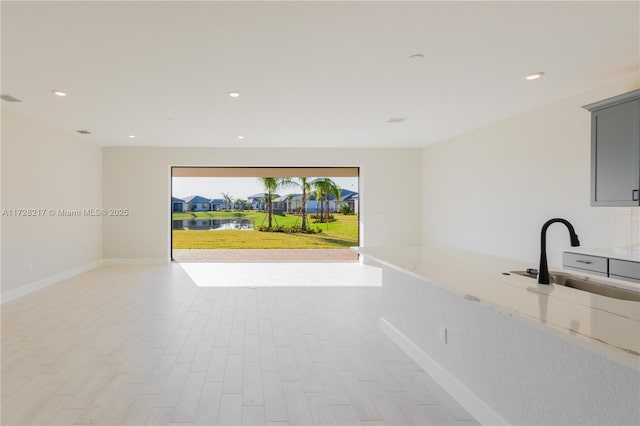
(138, 179)
(44, 168)
(491, 190)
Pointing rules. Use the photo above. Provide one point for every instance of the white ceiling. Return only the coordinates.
(310, 74)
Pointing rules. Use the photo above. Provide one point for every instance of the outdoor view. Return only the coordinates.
(264, 218)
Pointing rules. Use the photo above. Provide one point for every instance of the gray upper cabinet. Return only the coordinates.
(615, 151)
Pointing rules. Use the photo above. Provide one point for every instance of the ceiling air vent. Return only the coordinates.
(396, 120)
(9, 98)
(84, 132)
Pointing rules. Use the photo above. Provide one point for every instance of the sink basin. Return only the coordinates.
(588, 285)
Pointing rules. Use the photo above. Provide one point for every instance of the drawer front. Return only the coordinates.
(618, 277)
(585, 262)
(623, 268)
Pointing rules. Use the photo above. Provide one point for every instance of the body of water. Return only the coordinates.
(214, 225)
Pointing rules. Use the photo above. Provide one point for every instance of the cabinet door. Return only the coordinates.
(615, 151)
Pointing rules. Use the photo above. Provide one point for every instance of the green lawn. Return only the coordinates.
(342, 233)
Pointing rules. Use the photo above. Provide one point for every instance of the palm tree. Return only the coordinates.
(326, 187)
(319, 193)
(271, 185)
(305, 186)
(228, 200)
(240, 204)
(336, 191)
(289, 198)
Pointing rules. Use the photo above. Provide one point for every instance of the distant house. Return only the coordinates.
(294, 203)
(314, 206)
(216, 204)
(258, 201)
(197, 203)
(178, 205)
(284, 203)
(352, 200)
(346, 196)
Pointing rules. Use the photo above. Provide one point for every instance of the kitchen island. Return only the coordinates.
(510, 350)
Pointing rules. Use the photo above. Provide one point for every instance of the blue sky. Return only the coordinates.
(211, 187)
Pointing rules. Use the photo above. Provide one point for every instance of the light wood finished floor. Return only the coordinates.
(136, 345)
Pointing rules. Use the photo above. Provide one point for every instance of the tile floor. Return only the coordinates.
(136, 345)
(275, 274)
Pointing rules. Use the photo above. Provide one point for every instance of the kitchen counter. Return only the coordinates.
(509, 350)
(609, 325)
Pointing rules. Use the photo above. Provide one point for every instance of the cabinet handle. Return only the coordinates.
(635, 194)
(586, 262)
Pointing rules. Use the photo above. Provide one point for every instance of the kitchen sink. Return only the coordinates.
(588, 285)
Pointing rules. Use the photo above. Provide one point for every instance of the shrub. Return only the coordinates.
(289, 229)
(316, 219)
(346, 209)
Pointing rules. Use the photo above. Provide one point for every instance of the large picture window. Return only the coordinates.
(264, 213)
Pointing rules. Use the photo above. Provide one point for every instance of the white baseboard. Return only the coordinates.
(46, 282)
(469, 400)
(141, 261)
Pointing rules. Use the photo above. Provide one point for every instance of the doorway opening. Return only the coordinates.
(263, 214)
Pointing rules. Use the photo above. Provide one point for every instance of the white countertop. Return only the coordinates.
(609, 326)
(631, 254)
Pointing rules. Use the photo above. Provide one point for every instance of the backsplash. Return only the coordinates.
(627, 227)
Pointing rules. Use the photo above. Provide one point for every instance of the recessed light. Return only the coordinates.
(9, 98)
(83, 132)
(131, 136)
(416, 58)
(534, 76)
(234, 94)
(240, 137)
(59, 93)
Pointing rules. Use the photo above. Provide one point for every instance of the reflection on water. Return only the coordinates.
(214, 224)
